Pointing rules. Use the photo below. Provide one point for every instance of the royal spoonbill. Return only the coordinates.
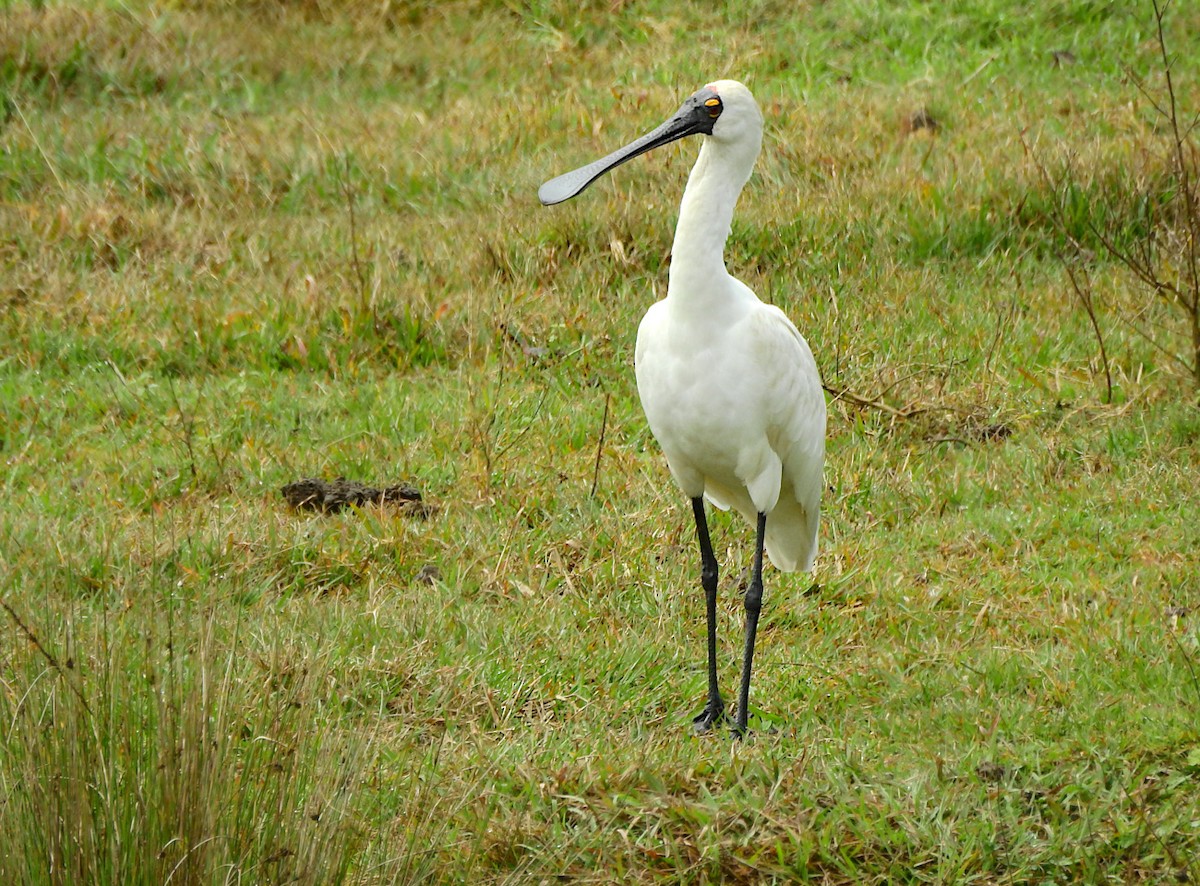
(729, 386)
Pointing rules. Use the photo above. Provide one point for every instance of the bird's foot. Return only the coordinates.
(710, 717)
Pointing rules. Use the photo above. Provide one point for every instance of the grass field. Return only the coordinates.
(246, 243)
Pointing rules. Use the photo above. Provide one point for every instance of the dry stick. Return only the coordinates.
(977, 71)
(863, 401)
(600, 446)
(875, 403)
(1082, 292)
(1142, 268)
(1189, 199)
(37, 144)
(1142, 265)
(46, 653)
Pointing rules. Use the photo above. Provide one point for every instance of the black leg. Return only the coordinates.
(753, 607)
(714, 711)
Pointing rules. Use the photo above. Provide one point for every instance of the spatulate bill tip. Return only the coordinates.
(560, 189)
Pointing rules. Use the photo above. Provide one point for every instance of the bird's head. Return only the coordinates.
(738, 117)
(724, 110)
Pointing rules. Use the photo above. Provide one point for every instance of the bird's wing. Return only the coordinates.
(796, 405)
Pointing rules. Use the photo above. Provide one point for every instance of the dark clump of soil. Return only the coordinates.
(428, 574)
(331, 496)
(989, 770)
(920, 119)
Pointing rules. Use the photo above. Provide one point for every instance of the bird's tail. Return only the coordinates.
(792, 535)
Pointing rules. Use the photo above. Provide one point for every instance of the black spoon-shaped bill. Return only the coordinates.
(696, 115)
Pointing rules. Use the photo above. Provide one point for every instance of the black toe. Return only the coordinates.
(710, 717)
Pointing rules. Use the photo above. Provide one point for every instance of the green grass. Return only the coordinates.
(250, 242)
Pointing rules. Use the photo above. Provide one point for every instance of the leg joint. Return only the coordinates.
(753, 599)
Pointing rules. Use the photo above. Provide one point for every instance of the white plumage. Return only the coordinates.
(729, 386)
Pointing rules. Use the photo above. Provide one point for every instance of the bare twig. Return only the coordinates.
(1168, 241)
(867, 402)
(1180, 139)
(1082, 290)
(37, 144)
(45, 653)
(987, 61)
(600, 446)
(876, 402)
(1184, 156)
(1084, 294)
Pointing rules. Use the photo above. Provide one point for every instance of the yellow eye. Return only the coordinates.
(714, 107)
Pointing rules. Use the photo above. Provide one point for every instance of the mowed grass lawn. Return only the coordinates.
(246, 243)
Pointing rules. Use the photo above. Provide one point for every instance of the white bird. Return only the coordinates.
(729, 386)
